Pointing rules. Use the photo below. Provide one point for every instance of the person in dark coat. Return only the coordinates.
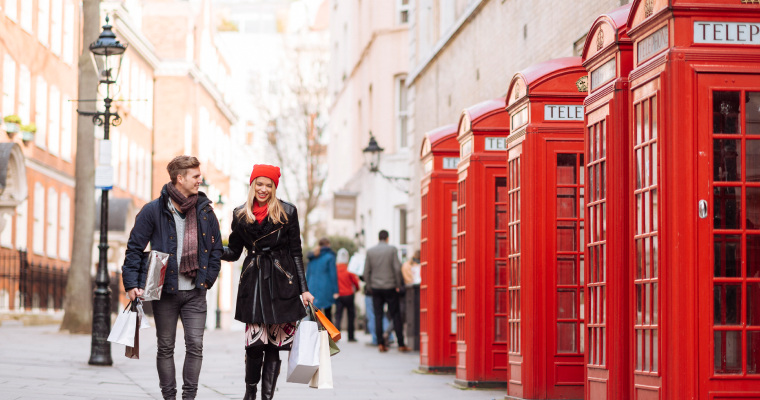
(271, 280)
(322, 277)
(181, 223)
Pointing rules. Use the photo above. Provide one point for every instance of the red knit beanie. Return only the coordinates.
(268, 171)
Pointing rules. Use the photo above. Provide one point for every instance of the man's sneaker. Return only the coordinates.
(381, 348)
(404, 349)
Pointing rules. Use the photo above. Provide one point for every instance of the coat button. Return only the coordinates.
(204, 267)
(171, 237)
(204, 234)
(205, 251)
(172, 271)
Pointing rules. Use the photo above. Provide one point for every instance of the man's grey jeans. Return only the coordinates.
(190, 305)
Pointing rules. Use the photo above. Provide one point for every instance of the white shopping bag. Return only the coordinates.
(144, 324)
(356, 264)
(323, 378)
(123, 331)
(303, 359)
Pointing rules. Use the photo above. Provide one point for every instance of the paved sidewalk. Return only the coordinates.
(40, 363)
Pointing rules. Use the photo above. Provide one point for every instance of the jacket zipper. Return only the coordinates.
(250, 264)
(290, 277)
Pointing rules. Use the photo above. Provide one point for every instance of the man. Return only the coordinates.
(181, 223)
(322, 277)
(382, 274)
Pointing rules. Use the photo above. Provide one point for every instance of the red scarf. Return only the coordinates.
(260, 212)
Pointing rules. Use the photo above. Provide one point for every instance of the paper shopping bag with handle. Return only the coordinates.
(323, 379)
(326, 324)
(134, 350)
(123, 331)
(303, 359)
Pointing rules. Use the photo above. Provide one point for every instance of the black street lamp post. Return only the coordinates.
(103, 48)
(372, 158)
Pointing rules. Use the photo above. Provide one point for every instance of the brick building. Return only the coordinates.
(462, 52)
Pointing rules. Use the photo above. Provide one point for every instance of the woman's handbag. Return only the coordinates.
(329, 327)
(154, 279)
(303, 359)
(125, 327)
(323, 378)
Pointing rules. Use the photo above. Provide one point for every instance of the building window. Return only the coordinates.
(448, 13)
(115, 147)
(124, 153)
(68, 34)
(6, 236)
(148, 175)
(9, 84)
(402, 226)
(140, 173)
(132, 167)
(26, 15)
(67, 127)
(21, 215)
(52, 223)
(38, 229)
(40, 112)
(402, 113)
(63, 252)
(403, 11)
(43, 20)
(11, 10)
(24, 94)
(123, 88)
(54, 135)
(56, 26)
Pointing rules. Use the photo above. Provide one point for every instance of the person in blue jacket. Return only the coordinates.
(322, 277)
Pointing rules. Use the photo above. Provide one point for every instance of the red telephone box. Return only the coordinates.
(482, 246)
(546, 230)
(608, 58)
(438, 250)
(695, 187)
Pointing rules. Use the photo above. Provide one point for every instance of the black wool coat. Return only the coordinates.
(155, 225)
(273, 272)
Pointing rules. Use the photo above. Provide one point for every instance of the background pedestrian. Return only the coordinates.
(348, 284)
(322, 277)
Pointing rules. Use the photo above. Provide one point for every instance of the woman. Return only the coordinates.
(271, 279)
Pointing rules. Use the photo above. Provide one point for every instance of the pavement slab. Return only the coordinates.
(39, 363)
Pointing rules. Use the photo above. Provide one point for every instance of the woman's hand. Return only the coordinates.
(307, 298)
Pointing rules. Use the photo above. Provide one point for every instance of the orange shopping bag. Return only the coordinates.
(329, 327)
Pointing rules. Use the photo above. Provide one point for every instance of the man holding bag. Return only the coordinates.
(181, 223)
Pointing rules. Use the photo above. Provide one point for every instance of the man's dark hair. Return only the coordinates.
(179, 166)
(324, 242)
(383, 235)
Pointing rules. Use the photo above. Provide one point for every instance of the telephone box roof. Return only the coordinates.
(438, 138)
(617, 19)
(489, 115)
(542, 78)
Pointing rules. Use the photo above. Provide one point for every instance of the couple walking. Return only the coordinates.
(182, 224)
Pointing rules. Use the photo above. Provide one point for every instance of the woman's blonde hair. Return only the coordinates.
(275, 212)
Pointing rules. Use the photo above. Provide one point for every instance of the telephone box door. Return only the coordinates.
(729, 234)
(564, 272)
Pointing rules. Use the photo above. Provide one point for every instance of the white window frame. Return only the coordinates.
(132, 167)
(69, 45)
(24, 94)
(21, 221)
(401, 8)
(402, 115)
(148, 176)
(67, 127)
(65, 227)
(9, 85)
(38, 228)
(140, 173)
(52, 223)
(27, 15)
(11, 10)
(40, 112)
(56, 26)
(54, 111)
(6, 236)
(43, 21)
(124, 78)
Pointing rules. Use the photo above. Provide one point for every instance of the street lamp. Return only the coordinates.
(101, 51)
(372, 159)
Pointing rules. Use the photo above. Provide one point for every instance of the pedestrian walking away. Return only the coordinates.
(382, 274)
(322, 277)
(271, 280)
(181, 223)
(348, 284)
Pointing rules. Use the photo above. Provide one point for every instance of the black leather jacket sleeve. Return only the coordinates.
(236, 241)
(294, 243)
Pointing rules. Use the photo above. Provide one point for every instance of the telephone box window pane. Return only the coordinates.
(654, 210)
(638, 124)
(566, 169)
(639, 348)
(647, 349)
(654, 304)
(727, 160)
(453, 322)
(638, 168)
(454, 274)
(638, 304)
(727, 350)
(566, 337)
(646, 120)
(453, 298)
(655, 356)
(501, 190)
(753, 208)
(753, 304)
(727, 304)
(604, 140)
(753, 161)
(654, 164)
(727, 253)
(753, 352)
(501, 245)
(501, 273)
(566, 203)
(639, 214)
(639, 257)
(726, 111)
(727, 205)
(502, 330)
(502, 301)
(502, 220)
(647, 304)
(753, 256)
(566, 236)
(752, 116)
(566, 304)
(654, 118)
(566, 274)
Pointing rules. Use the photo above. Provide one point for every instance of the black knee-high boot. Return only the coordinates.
(254, 358)
(272, 365)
